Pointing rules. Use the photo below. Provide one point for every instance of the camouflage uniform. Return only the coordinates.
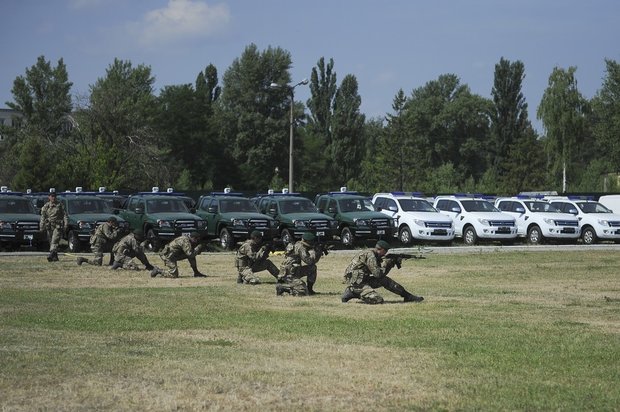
(102, 242)
(53, 221)
(178, 249)
(300, 261)
(128, 248)
(252, 256)
(367, 272)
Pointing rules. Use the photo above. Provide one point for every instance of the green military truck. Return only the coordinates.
(162, 216)
(19, 221)
(232, 217)
(85, 211)
(296, 215)
(357, 217)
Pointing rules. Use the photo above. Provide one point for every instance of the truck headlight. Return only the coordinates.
(484, 222)
(300, 223)
(83, 224)
(164, 223)
(361, 222)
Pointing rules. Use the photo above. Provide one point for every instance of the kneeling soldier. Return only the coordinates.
(253, 256)
(183, 247)
(102, 241)
(368, 271)
(300, 261)
(129, 247)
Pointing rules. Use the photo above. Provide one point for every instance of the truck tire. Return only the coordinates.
(227, 241)
(75, 245)
(287, 237)
(405, 236)
(153, 243)
(534, 235)
(469, 236)
(346, 237)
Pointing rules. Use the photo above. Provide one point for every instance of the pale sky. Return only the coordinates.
(387, 45)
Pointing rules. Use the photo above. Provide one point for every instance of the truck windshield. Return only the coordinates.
(297, 206)
(16, 206)
(355, 205)
(537, 206)
(165, 206)
(593, 207)
(478, 206)
(237, 205)
(78, 206)
(416, 205)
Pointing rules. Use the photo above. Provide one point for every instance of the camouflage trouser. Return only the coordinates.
(54, 234)
(292, 286)
(298, 272)
(247, 274)
(99, 249)
(126, 261)
(367, 293)
(172, 267)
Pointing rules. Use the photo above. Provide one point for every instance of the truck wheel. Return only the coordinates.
(405, 236)
(346, 237)
(287, 237)
(588, 236)
(153, 243)
(227, 240)
(469, 236)
(74, 242)
(534, 236)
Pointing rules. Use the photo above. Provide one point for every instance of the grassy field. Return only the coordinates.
(497, 331)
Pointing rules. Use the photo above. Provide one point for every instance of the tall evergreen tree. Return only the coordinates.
(606, 118)
(255, 117)
(347, 147)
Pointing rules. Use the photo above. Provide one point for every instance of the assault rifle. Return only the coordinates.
(399, 257)
(325, 247)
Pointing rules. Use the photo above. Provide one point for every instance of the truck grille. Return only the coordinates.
(27, 226)
(319, 224)
(614, 223)
(441, 225)
(573, 223)
(501, 223)
(258, 223)
(185, 224)
(380, 223)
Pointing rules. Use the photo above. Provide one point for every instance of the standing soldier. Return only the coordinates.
(368, 271)
(129, 247)
(252, 257)
(102, 241)
(300, 261)
(54, 222)
(180, 248)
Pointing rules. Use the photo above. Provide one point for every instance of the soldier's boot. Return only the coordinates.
(111, 263)
(55, 256)
(155, 271)
(280, 289)
(149, 267)
(408, 297)
(239, 278)
(81, 260)
(310, 289)
(197, 273)
(116, 265)
(50, 257)
(347, 295)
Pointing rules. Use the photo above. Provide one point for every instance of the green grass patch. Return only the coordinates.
(498, 331)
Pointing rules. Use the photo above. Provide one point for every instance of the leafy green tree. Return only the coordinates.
(448, 124)
(317, 135)
(31, 153)
(119, 141)
(42, 96)
(347, 147)
(605, 119)
(188, 127)
(563, 113)
(254, 117)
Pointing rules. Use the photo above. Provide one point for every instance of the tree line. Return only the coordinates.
(234, 131)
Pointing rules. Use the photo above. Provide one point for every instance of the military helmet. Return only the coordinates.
(382, 244)
(256, 234)
(138, 233)
(194, 235)
(308, 237)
